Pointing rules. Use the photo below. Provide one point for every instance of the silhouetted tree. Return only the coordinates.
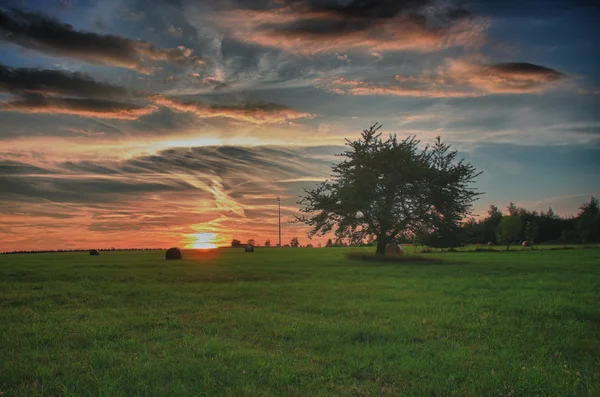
(588, 221)
(329, 243)
(268, 243)
(251, 242)
(385, 188)
(512, 209)
(235, 243)
(295, 242)
(531, 231)
(508, 230)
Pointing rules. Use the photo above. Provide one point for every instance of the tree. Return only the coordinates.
(329, 243)
(509, 230)
(588, 221)
(531, 231)
(387, 188)
(295, 242)
(268, 243)
(235, 243)
(512, 209)
(251, 242)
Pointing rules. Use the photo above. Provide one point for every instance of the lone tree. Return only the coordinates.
(509, 230)
(295, 242)
(388, 188)
(268, 243)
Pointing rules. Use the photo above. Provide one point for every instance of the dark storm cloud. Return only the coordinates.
(56, 82)
(43, 33)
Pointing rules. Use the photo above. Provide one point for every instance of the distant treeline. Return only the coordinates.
(542, 227)
(78, 250)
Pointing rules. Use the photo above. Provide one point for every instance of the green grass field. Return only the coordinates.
(300, 322)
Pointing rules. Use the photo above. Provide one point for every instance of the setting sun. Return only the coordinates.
(202, 240)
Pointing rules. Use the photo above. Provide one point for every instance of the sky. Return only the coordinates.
(157, 123)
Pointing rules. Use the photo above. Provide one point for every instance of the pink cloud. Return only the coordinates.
(256, 113)
(459, 79)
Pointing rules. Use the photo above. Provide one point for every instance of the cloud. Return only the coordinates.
(85, 107)
(459, 79)
(513, 77)
(256, 113)
(151, 200)
(43, 33)
(61, 92)
(56, 82)
(312, 27)
(175, 31)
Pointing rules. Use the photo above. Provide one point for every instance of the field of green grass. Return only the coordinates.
(300, 322)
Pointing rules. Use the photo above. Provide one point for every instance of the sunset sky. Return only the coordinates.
(156, 123)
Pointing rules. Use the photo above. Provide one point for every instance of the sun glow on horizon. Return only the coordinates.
(202, 240)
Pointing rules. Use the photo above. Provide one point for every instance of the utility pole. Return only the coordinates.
(279, 205)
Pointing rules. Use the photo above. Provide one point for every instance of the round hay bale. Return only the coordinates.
(393, 249)
(489, 244)
(249, 248)
(174, 253)
(94, 252)
(526, 243)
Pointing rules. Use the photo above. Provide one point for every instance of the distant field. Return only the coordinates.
(300, 322)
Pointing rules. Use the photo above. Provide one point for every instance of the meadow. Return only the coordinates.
(300, 322)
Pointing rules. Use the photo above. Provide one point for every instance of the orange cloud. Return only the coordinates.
(256, 113)
(307, 28)
(459, 79)
(83, 107)
(156, 200)
(513, 77)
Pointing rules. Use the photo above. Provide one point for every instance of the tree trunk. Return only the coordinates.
(381, 248)
(507, 247)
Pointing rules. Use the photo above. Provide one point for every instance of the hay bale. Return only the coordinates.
(393, 249)
(174, 253)
(249, 248)
(526, 243)
(94, 252)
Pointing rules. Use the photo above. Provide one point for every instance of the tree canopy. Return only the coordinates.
(389, 188)
(509, 229)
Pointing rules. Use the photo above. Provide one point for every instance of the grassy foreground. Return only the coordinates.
(300, 322)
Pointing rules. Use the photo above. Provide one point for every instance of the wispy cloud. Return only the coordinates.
(185, 190)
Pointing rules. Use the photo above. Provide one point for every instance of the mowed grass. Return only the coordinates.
(300, 322)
